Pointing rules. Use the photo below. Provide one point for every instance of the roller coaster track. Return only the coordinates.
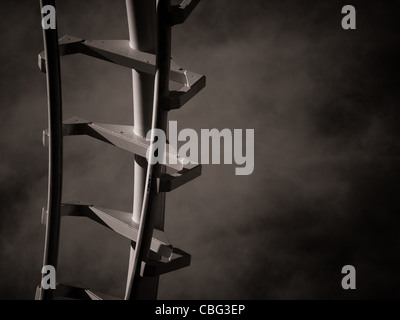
(148, 54)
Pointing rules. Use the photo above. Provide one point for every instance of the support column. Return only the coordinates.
(142, 20)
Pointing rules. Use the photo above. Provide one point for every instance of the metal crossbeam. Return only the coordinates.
(120, 222)
(125, 138)
(120, 53)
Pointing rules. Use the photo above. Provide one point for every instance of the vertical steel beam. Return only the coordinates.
(142, 21)
(54, 102)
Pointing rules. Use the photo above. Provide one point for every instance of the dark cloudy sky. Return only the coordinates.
(324, 193)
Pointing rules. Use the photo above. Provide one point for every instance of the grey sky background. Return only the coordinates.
(324, 192)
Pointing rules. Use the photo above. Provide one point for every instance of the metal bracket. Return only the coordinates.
(170, 182)
(153, 268)
(181, 11)
(120, 53)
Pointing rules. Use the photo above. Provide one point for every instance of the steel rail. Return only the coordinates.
(55, 174)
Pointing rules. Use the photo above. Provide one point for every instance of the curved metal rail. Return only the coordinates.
(54, 102)
(159, 121)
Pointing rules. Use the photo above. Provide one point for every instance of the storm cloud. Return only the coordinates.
(324, 106)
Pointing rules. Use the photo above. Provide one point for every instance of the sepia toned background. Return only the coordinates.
(324, 103)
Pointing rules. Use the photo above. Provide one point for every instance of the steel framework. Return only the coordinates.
(148, 54)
